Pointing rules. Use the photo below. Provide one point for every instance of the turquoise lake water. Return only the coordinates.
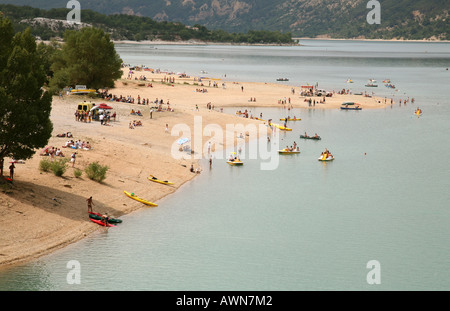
(306, 225)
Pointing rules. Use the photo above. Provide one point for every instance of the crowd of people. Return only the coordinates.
(78, 144)
(83, 116)
(133, 124)
(88, 116)
(52, 152)
(292, 148)
(140, 101)
(168, 79)
(284, 101)
(135, 113)
(312, 102)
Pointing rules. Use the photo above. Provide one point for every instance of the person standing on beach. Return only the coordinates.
(11, 170)
(89, 204)
(72, 158)
(151, 114)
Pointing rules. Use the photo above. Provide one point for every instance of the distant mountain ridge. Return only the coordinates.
(400, 19)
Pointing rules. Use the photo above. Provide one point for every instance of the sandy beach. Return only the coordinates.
(41, 212)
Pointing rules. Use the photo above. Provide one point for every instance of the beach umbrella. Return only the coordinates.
(182, 141)
(104, 106)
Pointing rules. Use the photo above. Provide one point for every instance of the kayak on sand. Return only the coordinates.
(165, 182)
(101, 223)
(98, 216)
(133, 196)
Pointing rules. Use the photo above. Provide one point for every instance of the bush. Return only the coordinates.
(96, 172)
(59, 167)
(45, 165)
(77, 173)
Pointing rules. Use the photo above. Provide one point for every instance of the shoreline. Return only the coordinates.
(196, 42)
(42, 213)
(373, 40)
(297, 39)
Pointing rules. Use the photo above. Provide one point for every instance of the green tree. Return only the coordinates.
(88, 57)
(24, 107)
(46, 53)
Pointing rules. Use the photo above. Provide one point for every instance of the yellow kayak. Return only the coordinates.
(282, 127)
(235, 163)
(291, 119)
(133, 196)
(164, 182)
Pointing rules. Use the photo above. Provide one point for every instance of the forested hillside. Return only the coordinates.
(48, 24)
(402, 19)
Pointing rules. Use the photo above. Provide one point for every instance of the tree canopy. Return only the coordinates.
(24, 106)
(87, 57)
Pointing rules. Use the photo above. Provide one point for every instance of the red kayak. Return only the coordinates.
(98, 216)
(101, 223)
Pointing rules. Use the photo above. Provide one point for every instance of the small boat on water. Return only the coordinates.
(282, 79)
(418, 112)
(291, 119)
(310, 137)
(329, 158)
(371, 85)
(234, 160)
(286, 151)
(281, 127)
(326, 156)
(350, 106)
(349, 81)
(235, 163)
